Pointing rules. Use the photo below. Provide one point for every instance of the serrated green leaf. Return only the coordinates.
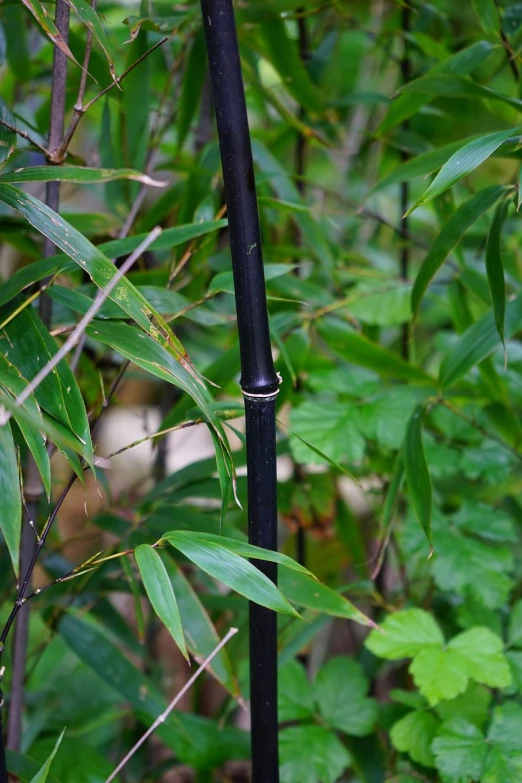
(460, 751)
(334, 430)
(450, 235)
(464, 162)
(340, 690)
(295, 700)
(404, 635)
(11, 505)
(414, 734)
(231, 569)
(439, 674)
(482, 651)
(417, 473)
(161, 595)
(495, 268)
(324, 761)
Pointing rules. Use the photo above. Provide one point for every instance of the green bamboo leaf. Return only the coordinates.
(495, 269)
(11, 503)
(477, 343)
(303, 590)
(232, 570)
(313, 235)
(243, 549)
(193, 80)
(451, 86)
(7, 137)
(417, 473)
(13, 383)
(161, 595)
(388, 509)
(26, 343)
(79, 174)
(170, 237)
(92, 21)
(358, 349)
(136, 595)
(95, 263)
(450, 235)
(49, 28)
(43, 773)
(488, 17)
(463, 162)
(200, 635)
(281, 52)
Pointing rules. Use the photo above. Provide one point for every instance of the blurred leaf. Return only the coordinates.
(42, 775)
(161, 595)
(324, 761)
(414, 734)
(488, 16)
(7, 137)
(451, 86)
(340, 690)
(48, 27)
(193, 80)
(11, 505)
(92, 21)
(450, 235)
(417, 473)
(495, 268)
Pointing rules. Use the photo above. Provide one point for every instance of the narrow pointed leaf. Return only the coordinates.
(488, 16)
(47, 25)
(452, 86)
(417, 473)
(43, 773)
(7, 137)
(10, 503)
(464, 162)
(232, 570)
(495, 268)
(161, 595)
(92, 21)
(477, 343)
(450, 235)
(79, 174)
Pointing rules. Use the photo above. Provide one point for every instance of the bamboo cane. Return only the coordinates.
(259, 381)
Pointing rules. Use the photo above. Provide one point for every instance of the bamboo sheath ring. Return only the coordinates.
(268, 396)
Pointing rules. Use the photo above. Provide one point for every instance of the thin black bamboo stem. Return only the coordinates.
(259, 381)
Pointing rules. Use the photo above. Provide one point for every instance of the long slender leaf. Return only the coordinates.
(92, 21)
(451, 233)
(161, 595)
(10, 503)
(463, 162)
(417, 473)
(495, 268)
(232, 570)
(47, 25)
(7, 137)
(451, 86)
(43, 773)
(79, 174)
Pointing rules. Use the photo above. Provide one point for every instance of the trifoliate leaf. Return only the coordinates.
(341, 694)
(414, 734)
(460, 751)
(482, 651)
(439, 674)
(405, 634)
(311, 754)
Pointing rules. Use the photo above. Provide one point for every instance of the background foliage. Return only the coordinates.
(399, 412)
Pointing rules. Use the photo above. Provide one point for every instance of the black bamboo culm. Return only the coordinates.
(259, 381)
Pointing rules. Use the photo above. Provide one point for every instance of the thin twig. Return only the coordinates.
(74, 337)
(25, 136)
(164, 715)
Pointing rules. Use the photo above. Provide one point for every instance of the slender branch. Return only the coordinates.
(164, 715)
(74, 337)
(25, 136)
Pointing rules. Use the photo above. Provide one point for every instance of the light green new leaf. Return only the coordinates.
(460, 751)
(463, 162)
(79, 174)
(477, 343)
(11, 503)
(41, 776)
(495, 268)
(232, 570)
(311, 754)
(439, 674)
(7, 137)
(161, 595)
(41, 15)
(482, 651)
(13, 383)
(417, 473)
(92, 21)
(405, 634)
(414, 734)
(450, 235)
